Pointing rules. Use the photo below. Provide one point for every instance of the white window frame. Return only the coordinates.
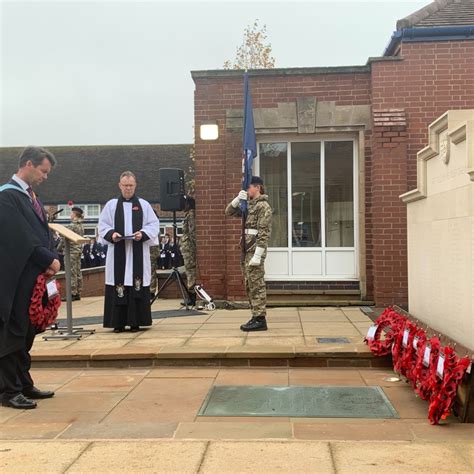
(289, 249)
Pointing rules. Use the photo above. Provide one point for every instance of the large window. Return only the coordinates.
(91, 211)
(273, 165)
(310, 185)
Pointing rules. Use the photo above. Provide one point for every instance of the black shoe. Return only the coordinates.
(20, 402)
(76, 297)
(134, 328)
(37, 394)
(258, 323)
(119, 329)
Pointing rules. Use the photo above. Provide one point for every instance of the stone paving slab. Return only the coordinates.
(245, 456)
(267, 457)
(292, 333)
(28, 457)
(134, 457)
(364, 457)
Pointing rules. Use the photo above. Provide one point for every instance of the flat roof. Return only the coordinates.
(291, 71)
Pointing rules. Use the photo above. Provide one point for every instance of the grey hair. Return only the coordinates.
(36, 155)
(127, 174)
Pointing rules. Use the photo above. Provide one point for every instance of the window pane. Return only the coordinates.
(339, 191)
(93, 210)
(273, 170)
(306, 194)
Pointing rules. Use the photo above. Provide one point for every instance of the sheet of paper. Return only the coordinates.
(440, 366)
(52, 288)
(406, 333)
(426, 356)
(371, 332)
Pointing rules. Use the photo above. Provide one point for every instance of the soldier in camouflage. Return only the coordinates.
(154, 257)
(76, 252)
(188, 246)
(258, 226)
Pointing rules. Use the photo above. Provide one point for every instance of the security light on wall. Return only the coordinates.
(209, 131)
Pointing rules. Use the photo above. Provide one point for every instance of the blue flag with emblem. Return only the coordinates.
(249, 140)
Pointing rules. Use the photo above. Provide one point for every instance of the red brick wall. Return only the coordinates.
(389, 175)
(218, 164)
(430, 79)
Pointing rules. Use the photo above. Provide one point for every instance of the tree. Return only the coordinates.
(254, 52)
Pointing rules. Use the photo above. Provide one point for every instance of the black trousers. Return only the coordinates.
(15, 368)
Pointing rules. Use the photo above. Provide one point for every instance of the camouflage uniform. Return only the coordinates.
(154, 256)
(259, 217)
(76, 252)
(188, 247)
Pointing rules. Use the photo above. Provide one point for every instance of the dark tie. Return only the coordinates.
(36, 204)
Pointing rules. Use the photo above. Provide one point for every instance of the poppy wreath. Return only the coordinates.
(405, 362)
(427, 380)
(397, 347)
(43, 311)
(388, 319)
(442, 401)
(413, 372)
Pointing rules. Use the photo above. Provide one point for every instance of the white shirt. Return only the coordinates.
(24, 186)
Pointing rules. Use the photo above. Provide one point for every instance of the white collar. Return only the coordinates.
(22, 183)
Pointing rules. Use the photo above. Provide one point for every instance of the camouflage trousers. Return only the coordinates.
(254, 278)
(189, 258)
(154, 276)
(76, 275)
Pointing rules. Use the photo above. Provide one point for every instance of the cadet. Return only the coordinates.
(258, 225)
(76, 252)
(188, 246)
(154, 256)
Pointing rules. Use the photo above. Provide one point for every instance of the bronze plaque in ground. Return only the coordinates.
(306, 402)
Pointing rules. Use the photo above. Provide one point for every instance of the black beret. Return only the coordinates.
(78, 210)
(256, 180)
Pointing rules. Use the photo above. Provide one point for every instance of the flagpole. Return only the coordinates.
(244, 209)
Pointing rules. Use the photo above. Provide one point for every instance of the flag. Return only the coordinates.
(249, 140)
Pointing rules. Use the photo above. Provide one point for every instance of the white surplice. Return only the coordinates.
(151, 226)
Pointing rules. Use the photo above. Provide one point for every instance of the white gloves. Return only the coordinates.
(242, 196)
(256, 260)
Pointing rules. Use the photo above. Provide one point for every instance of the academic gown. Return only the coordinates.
(26, 250)
(137, 311)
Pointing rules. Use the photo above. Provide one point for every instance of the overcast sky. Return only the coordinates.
(114, 72)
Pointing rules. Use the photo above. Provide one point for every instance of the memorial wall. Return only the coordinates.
(440, 221)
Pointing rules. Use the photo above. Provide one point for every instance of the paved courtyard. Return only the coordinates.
(145, 419)
(291, 330)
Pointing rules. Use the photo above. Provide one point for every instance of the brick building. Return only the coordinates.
(337, 146)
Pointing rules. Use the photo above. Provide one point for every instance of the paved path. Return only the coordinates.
(113, 420)
(291, 330)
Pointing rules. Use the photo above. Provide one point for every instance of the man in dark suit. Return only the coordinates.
(26, 251)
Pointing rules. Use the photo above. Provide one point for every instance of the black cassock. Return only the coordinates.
(26, 250)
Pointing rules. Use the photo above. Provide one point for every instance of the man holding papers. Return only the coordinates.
(130, 227)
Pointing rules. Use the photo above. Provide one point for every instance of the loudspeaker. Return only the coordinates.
(172, 189)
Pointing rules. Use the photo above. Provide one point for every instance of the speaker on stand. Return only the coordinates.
(172, 198)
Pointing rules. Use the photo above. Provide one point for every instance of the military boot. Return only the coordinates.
(258, 323)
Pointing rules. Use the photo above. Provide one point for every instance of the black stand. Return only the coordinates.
(175, 276)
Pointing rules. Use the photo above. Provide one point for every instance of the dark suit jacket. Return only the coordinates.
(42, 256)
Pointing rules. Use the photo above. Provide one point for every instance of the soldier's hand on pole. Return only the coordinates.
(256, 260)
(242, 196)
